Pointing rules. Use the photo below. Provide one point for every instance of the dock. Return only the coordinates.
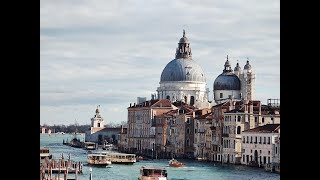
(53, 169)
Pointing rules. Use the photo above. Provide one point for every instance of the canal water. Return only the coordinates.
(194, 170)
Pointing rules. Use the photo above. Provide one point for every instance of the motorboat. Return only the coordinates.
(175, 163)
(152, 173)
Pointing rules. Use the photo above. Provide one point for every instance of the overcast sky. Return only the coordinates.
(109, 52)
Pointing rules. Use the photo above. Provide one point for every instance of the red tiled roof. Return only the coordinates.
(268, 128)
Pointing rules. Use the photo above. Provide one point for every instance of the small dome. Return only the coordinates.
(182, 70)
(237, 68)
(247, 66)
(227, 81)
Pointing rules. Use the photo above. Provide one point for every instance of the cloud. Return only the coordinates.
(111, 52)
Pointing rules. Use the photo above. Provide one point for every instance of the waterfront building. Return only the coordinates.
(261, 145)
(123, 139)
(176, 129)
(100, 134)
(141, 124)
(203, 136)
(183, 79)
(244, 115)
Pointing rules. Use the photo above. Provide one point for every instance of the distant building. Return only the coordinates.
(100, 134)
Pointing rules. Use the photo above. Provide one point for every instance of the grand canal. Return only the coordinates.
(194, 170)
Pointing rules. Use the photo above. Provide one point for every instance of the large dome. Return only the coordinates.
(182, 70)
(227, 81)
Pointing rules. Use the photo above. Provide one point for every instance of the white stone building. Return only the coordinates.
(183, 78)
(100, 134)
(260, 146)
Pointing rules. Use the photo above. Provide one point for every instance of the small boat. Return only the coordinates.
(174, 163)
(98, 160)
(152, 173)
(45, 153)
(89, 146)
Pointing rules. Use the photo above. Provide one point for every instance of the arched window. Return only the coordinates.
(168, 97)
(192, 100)
(238, 130)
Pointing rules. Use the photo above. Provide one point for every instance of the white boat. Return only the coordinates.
(119, 158)
(45, 153)
(98, 160)
(152, 173)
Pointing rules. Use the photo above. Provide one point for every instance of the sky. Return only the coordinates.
(109, 52)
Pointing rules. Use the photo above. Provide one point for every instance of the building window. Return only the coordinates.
(272, 119)
(260, 151)
(191, 100)
(264, 140)
(255, 119)
(188, 131)
(268, 159)
(260, 140)
(221, 95)
(251, 140)
(268, 140)
(268, 152)
(256, 140)
(188, 120)
(238, 130)
(188, 142)
(98, 124)
(239, 118)
(276, 150)
(243, 159)
(168, 97)
(263, 120)
(247, 139)
(244, 139)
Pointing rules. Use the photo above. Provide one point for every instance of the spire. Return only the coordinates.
(183, 50)
(227, 66)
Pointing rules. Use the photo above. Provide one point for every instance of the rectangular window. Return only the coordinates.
(268, 140)
(260, 140)
(251, 139)
(221, 95)
(255, 119)
(244, 139)
(256, 140)
(264, 140)
(247, 139)
(239, 118)
(188, 120)
(243, 160)
(263, 120)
